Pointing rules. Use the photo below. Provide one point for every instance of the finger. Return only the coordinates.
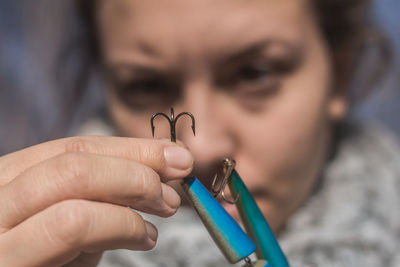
(85, 176)
(63, 231)
(170, 160)
(85, 260)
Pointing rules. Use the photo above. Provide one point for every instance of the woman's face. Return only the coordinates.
(256, 75)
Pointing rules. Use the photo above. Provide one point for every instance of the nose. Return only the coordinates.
(213, 140)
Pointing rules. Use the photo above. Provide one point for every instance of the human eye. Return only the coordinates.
(145, 93)
(148, 86)
(253, 73)
(252, 83)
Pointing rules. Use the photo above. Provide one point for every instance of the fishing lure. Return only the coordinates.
(254, 222)
(227, 234)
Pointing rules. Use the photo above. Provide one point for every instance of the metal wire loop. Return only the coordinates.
(229, 165)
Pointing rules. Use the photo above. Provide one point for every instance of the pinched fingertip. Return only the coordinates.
(178, 162)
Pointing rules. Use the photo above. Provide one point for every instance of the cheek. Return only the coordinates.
(283, 148)
(127, 122)
(287, 143)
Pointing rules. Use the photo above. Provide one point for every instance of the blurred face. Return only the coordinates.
(255, 74)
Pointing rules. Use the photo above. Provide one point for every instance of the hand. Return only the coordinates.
(64, 202)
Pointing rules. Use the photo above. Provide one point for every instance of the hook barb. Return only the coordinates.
(155, 116)
(172, 122)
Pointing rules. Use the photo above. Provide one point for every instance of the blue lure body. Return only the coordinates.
(255, 224)
(225, 231)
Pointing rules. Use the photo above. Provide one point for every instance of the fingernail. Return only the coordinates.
(151, 231)
(178, 157)
(171, 197)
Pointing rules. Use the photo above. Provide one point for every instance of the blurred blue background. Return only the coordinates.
(32, 102)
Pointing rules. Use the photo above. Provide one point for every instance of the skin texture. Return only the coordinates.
(70, 198)
(256, 75)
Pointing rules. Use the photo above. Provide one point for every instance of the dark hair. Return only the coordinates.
(86, 10)
(349, 30)
(346, 25)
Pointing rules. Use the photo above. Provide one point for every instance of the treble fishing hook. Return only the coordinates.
(172, 122)
(229, 165)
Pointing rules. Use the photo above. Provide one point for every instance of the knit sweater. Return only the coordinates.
(352, 219)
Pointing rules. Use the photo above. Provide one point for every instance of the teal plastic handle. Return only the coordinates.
(227, 234)
(255, 224)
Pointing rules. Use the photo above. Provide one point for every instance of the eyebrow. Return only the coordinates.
(296, 50)
(112, 72)
(227, 58)
(137, 68)
(141, 47)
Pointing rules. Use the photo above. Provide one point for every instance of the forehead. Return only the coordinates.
(166, 25)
